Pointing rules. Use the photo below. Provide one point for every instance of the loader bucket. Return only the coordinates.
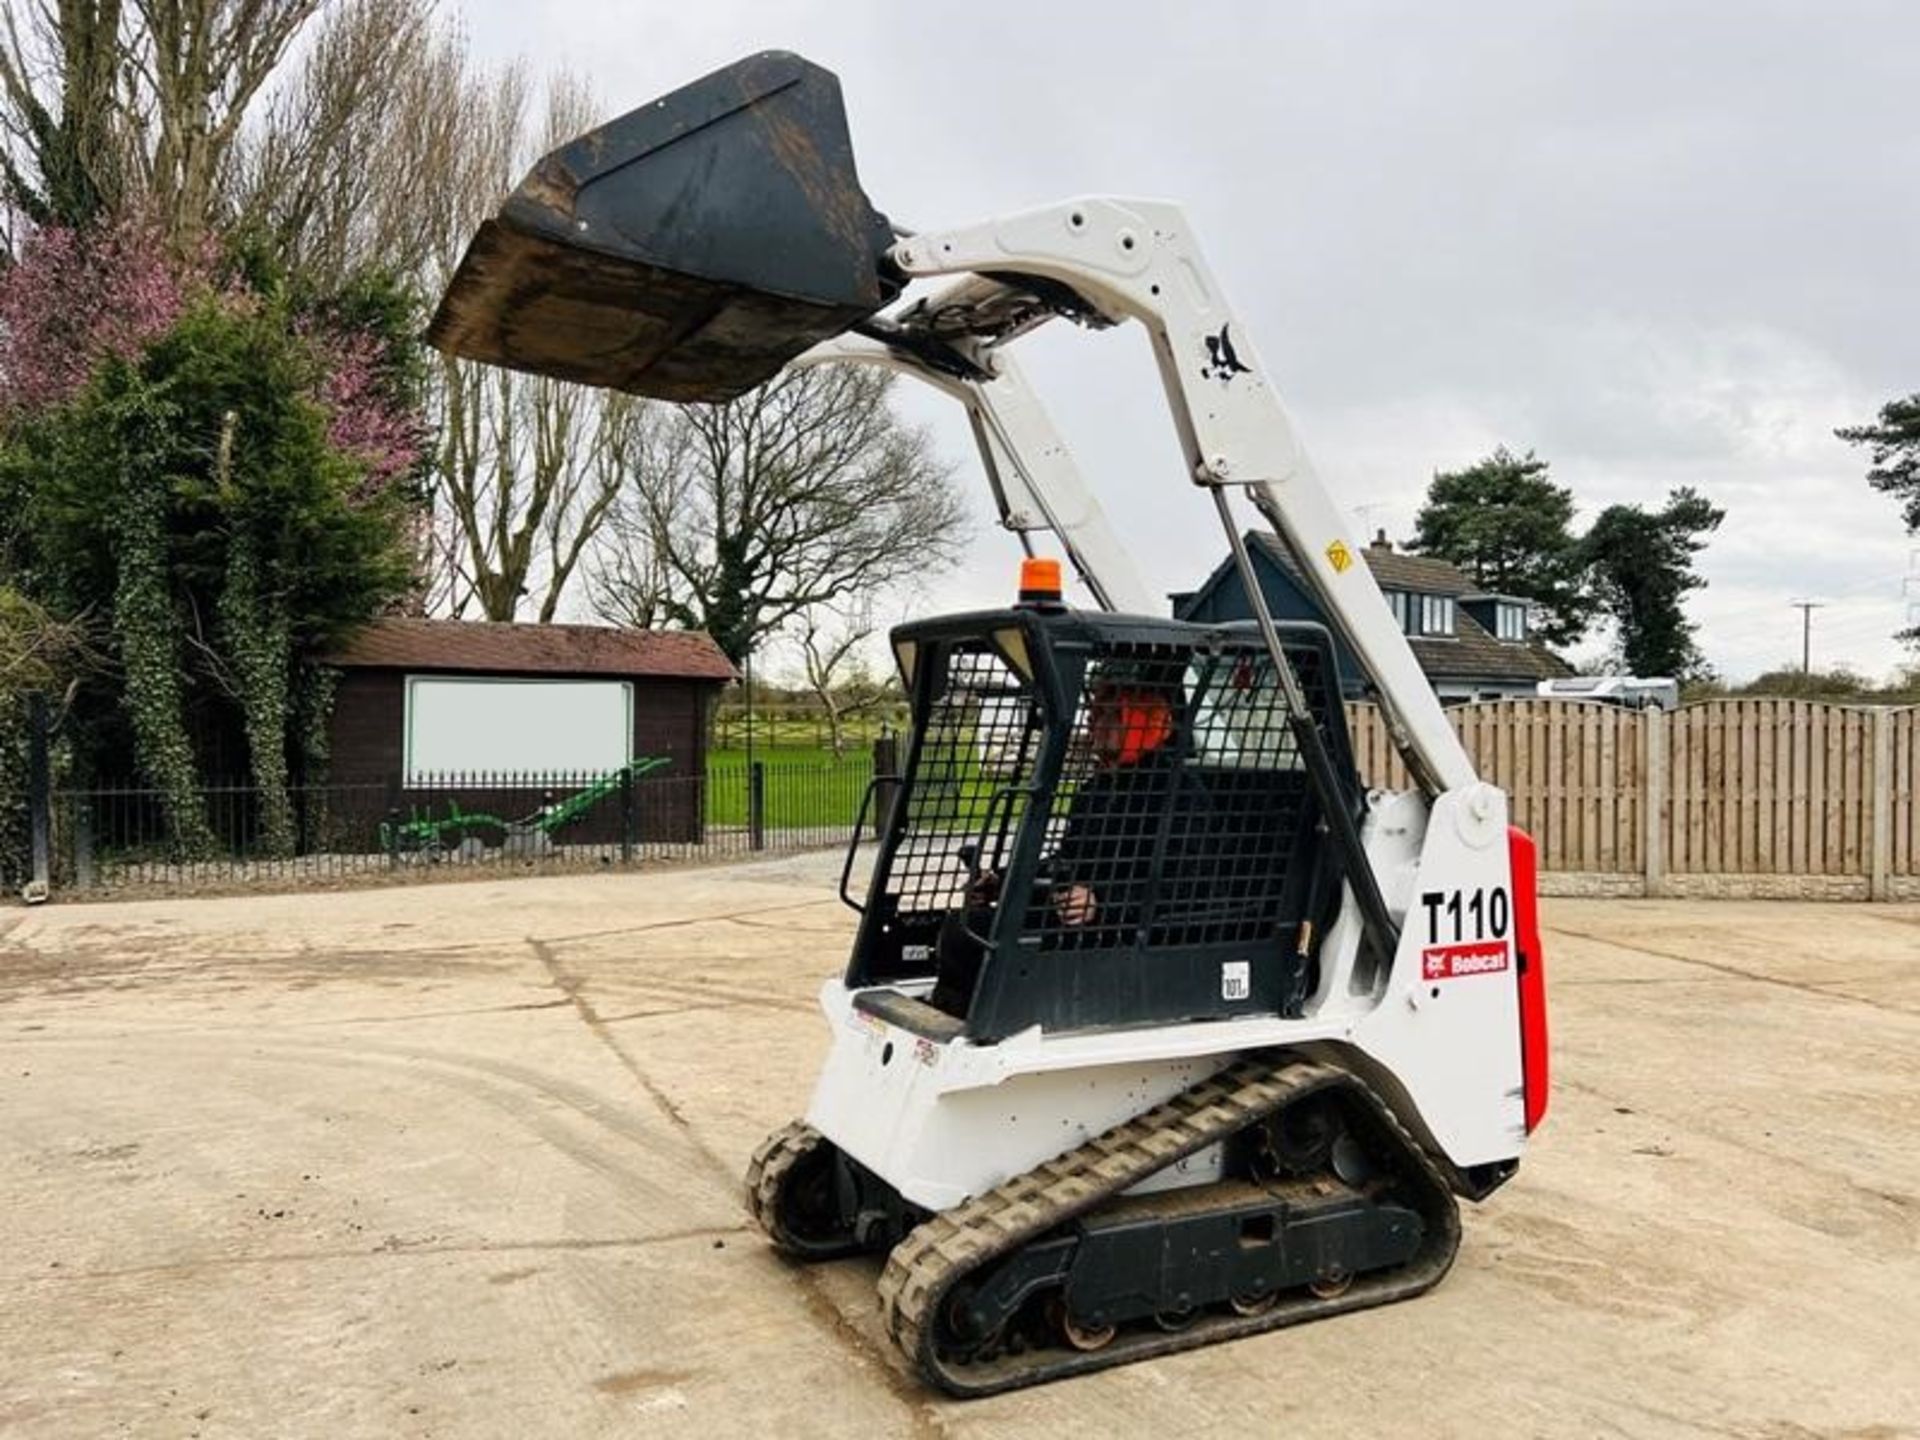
(686, 250)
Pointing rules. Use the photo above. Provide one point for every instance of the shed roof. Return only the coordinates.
(481, 647)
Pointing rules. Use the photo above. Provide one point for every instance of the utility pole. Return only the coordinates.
(1806, 609)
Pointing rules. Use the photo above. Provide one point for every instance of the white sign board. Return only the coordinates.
(472, 725)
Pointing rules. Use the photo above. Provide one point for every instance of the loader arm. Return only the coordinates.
(1138, 259)
(1037, 488)
(1102, 261)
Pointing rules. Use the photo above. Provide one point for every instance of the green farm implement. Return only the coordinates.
(467, 833)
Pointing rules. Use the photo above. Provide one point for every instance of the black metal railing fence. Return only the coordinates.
(123, 836)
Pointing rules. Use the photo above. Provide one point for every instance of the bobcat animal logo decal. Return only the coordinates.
(1222, 363)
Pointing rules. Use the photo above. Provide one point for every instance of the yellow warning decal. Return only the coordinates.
(1339, 557)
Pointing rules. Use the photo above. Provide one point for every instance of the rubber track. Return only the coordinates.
(767, 1172)
(923, 1268)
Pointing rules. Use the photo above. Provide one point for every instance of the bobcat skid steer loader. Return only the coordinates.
(1160, 1029)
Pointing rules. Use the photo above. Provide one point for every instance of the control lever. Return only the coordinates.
(983, 886)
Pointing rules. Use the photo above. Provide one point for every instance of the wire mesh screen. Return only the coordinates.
(978, 747)
(1183, 812)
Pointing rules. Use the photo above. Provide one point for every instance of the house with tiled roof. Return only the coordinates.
(1473, 645)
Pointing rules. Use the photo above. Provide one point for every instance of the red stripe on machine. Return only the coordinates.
(1449, 962)
(1532, 978)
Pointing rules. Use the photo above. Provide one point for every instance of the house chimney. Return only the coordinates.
(1380, 541)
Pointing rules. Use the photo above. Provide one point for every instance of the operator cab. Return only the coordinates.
(1104, 821)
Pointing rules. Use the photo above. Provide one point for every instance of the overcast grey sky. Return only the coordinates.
(1659, 244)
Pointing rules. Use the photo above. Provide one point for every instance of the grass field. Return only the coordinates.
(806, 786)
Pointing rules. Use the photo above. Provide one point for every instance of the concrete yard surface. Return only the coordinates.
(464, 1160)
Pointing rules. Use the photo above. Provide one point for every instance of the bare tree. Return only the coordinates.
(39, 651)
(529, 469)
(349, 162)
(114, 101)
(198, 66)
(746, 515)
(65, 153)
(331, 126)
(833, 659)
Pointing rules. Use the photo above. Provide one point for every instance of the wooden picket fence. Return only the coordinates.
(1771, 790)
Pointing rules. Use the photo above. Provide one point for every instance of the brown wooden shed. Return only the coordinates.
(498, 717)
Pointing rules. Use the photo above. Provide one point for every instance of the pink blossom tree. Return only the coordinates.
(76, 298)
(79, 297)
(364, 420)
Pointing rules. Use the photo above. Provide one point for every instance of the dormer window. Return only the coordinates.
(1422, 614)
(1510, 621)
